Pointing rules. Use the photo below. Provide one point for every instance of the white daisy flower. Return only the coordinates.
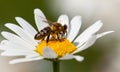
(22, 43)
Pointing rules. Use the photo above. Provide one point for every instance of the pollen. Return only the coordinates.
(60, 47)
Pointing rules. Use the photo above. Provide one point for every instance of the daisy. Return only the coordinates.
(22, 42)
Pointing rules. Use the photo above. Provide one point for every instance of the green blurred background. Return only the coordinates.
(103, 56)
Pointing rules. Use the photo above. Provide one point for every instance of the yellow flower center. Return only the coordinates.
(60, 47)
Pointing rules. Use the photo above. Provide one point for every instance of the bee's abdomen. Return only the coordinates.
(43, 33)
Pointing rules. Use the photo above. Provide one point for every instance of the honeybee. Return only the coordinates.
(55, 30)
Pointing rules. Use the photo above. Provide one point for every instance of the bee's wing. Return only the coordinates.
(48, 21)
(39, 19)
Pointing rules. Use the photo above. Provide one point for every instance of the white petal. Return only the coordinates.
(48, 53)
(10, 46)
(3, 42)
(15, 39)
(78, 58)
(63, 19)
(24, 35)
(66, 57)
(87, 44)
(32, 55)
(24, 60)
(26, 26)
(70, 56)
(91, 41)
(88, 33)
(40, 19)
(16, 53)
(75, 27)
(104, 33)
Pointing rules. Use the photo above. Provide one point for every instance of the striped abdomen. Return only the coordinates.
(43, 33)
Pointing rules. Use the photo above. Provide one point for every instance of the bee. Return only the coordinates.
(55, 30)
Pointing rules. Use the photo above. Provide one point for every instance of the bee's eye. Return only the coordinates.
(65, 27)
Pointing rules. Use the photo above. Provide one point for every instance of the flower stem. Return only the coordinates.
(56, 66)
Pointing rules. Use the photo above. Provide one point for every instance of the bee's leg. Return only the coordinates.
(61, 35)
(65, 30)
(48, 38)
(64, 34)
(58, 37)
